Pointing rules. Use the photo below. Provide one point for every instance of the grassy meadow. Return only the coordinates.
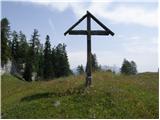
(110, 96)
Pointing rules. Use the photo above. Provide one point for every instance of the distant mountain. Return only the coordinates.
(74, 70)
(113, 68)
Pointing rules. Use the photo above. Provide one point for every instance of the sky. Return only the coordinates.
(134, 23)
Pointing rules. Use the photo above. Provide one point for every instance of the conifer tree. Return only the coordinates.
(40, 62)
(35, 48)
(23, 47)
(32, 58)
(48, 72)
(80, 69)
(134, 68)
(61, 61)
(28, 71)
(128, 68)
(15, 46)
(5, 49)
(94, 62)
(53, 61)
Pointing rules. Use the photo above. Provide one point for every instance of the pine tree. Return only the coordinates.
(80, 69)
(35, 43)
(35, 48)
(32, 59)
(40, 63)
(28, 71)
(134, 68)
(16, 57)
(23, 47)
(66, 68)
(48, 71)
(61, 61)
(53, 60)
(15, 46)
(5, 49)
(128, 68)
(94, 62)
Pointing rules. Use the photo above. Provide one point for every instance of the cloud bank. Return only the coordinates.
(122, 13)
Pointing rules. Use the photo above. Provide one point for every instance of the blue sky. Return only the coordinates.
(135, 25)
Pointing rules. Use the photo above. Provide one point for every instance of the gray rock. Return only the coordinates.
(57, 103)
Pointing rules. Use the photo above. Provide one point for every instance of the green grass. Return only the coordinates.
(110, 96)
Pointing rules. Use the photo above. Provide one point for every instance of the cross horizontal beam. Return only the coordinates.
(84, 32)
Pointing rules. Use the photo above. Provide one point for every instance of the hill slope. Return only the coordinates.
(110, 96)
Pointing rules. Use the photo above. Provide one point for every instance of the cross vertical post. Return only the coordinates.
(89, 66)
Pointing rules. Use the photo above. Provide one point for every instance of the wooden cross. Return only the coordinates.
(89, 32)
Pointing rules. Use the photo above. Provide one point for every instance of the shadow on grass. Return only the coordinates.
(77, 90)
(37, 96)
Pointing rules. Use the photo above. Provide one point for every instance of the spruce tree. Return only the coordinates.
(53, 61)
(61, 61)
(40, 62)
(134, 68)
(80, 69)
(35, 48)
(28, 71)
(23, 47)
(128, 68)
(48, 72)
(32, 57)
(15, 46)
(94, 62)
(5, 49)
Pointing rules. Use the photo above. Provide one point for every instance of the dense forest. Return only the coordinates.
(31, 57)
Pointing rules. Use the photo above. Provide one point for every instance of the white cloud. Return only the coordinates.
(124, 1)
(138, 45)
(124, 14)
(59, 6)
(136, 15)
(120, 14)
(144, 51)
